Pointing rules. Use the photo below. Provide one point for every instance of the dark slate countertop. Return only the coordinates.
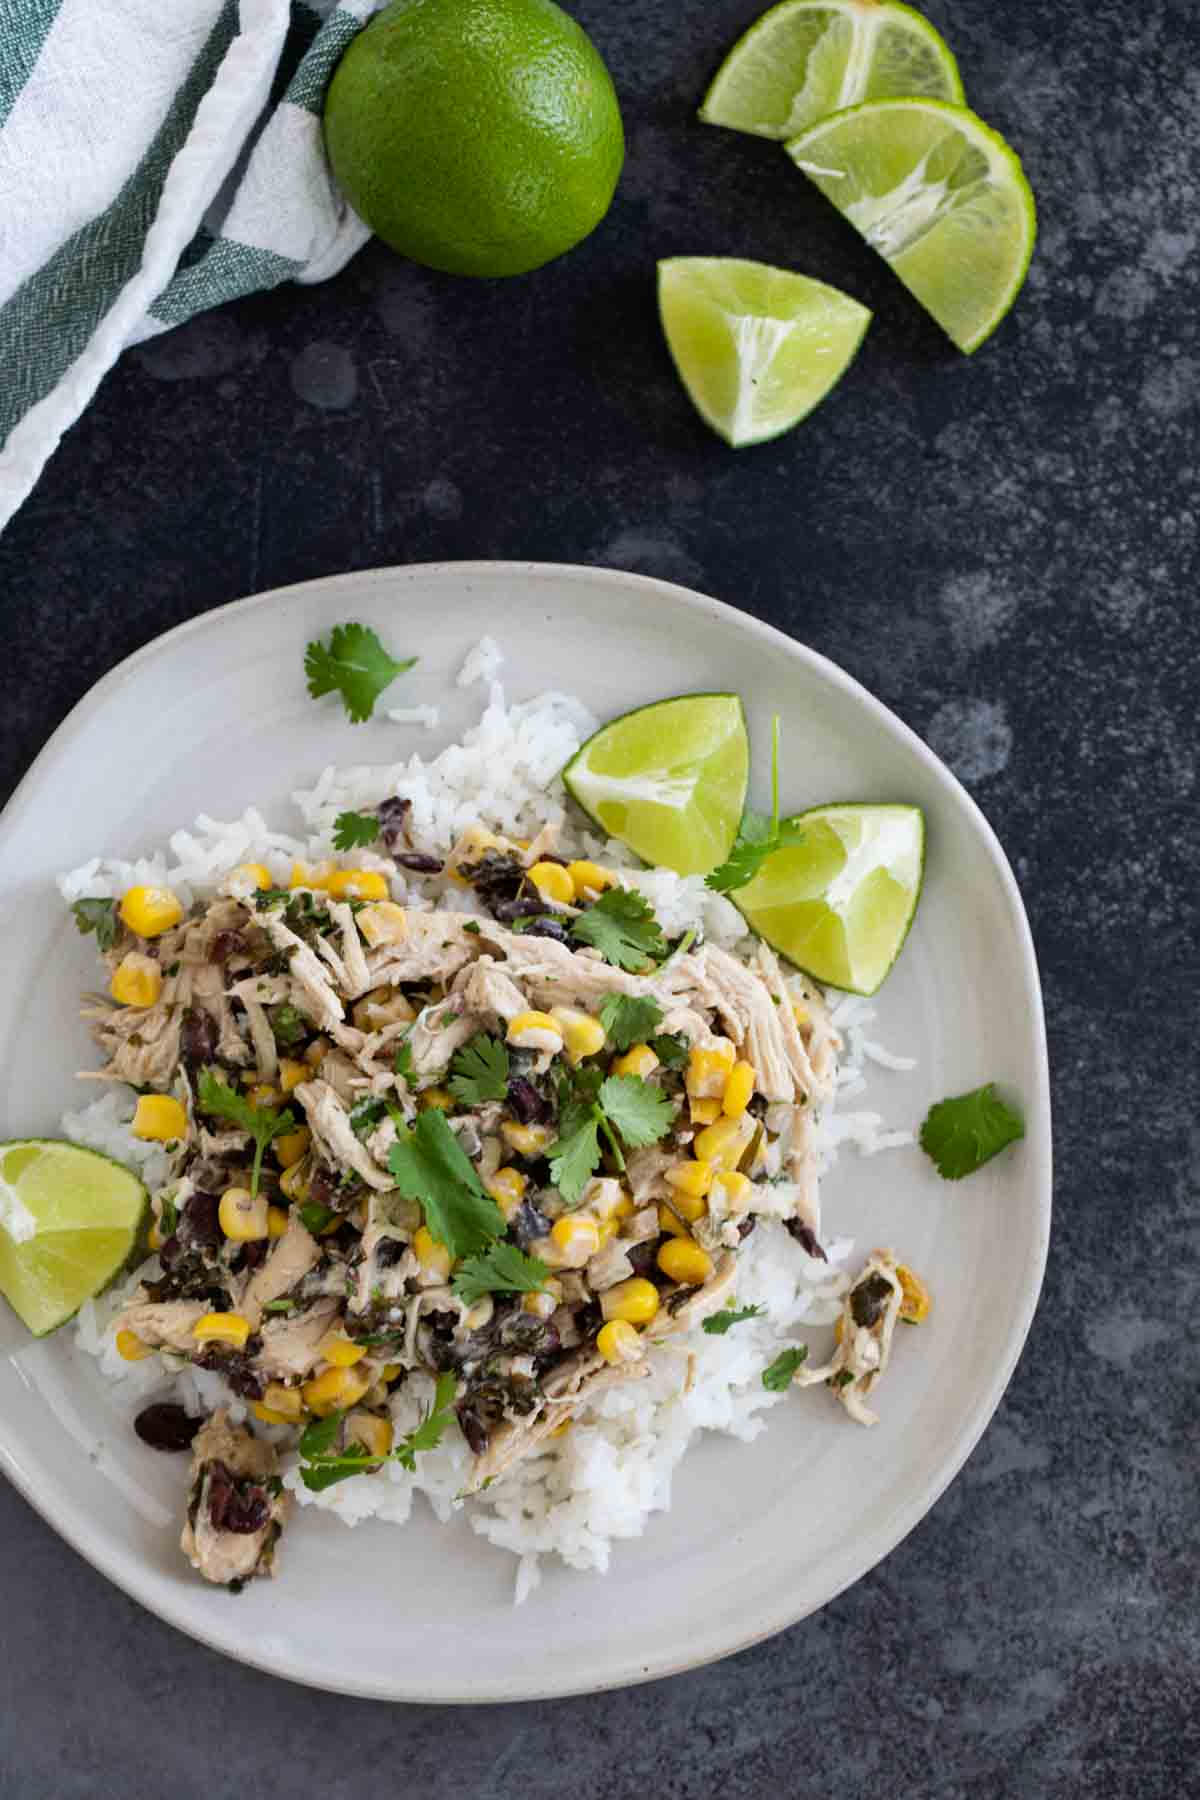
(1004, 549)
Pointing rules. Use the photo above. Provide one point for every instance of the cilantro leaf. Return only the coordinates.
(314, 1217)
(402, 1063)
(574, 1159)
(479, 1071)
(168, 1216)
(353, 664)
(759, 835)
(672, 1050)
(355, 830)
(264, 1123)
(325, 1465)
(430, 1166)
(628, 1021)
(718, 1323)
(288, 1024)
(501, 1270)
(320, 1435)
(366, 1114)
(963, 1133)
(622, 926)
(429, 1433)
(778, 1375)
(99, 916)
(640, 1112)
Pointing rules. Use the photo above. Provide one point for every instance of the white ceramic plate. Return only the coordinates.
(214, 716)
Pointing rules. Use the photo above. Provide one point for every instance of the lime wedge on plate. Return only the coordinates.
(840, 903)
(70, 1222)
(941, 197)
(669, 780)
(808, 58)
(756, 348)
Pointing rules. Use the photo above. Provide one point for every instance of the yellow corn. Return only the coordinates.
(154, 1237)
(159, 1117)
(340, 1351)
(708, 1071)
(433, 1257)
(137, 980)
(435, 1099)
(256, 874)
(149, 911)
(277, 1221)
(222, 1328)
(625, 1208)
(800, 1014)
(608, 1229)
(268, 1416)
(371, 1431)
(582, 1034)
(292, 1146)
(618, 1342)
(691, 1178)
(316, 1052)
(670, 1222)
(383, 923)
(390, 1371)
(739, 1090)
(507, 1188)
(576, 1238)
(291, 1074)
(704, 1112)
(641, 1060)
(131, 1348)
(683, 1260)
(587, 876)
(243, 1219)
(334, 1388)
(294, 1182)
(724, 1143)
(304, 877)
(917, 1302)
(730, 1192)
(635, 1301)
(526, 1140)
(261, 1093)
(357, 884)
(552, 882)
(535, 1031)
(540, 1305)
(384, 1006)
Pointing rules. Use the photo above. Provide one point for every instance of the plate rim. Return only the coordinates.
(1038, 1105)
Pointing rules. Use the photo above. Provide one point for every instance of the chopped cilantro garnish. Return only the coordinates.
(355, 830)
(501, 1270)
(625, 1108)
(479, 1071)
(314, 1217)
(718, 1323)
(628, 1021)
(168, 1216)
(640, 1112)
(99, 916)
(962, 1134)
(777, 1375)
(288, 1024)
(279, 1306)
(842, 1379)
(402, 1062)
(325, 1464)
(622, 926)
(366, 1114)
(430, 1166)
(264, 1123)
(672, 1050)
(355, 665)
(759, 835)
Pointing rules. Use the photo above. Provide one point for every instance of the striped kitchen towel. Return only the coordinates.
(156, 158)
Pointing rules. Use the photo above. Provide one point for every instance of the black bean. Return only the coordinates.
(530, 1107)
(166, 1427)
(388, 1252)
(547, 927)
(527, 1224)
(235, 1504)
(419, 864)
(472, 1428)
(201, 1219)
(197, 1037)
(806, 1237)
(393, 821)
(642, 1256)
(868, 1299)
(226, 944)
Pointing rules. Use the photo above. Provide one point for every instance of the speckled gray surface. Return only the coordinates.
(1003, 549)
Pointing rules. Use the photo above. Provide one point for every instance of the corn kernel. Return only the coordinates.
(582, 1034)
(479, 1315)
(704, 1112)
(507, 1188)
(917, 1302)
(588, 876)
(291, 1074)
(691, 1178)
(433, 1257)
(159, 1117)
(618, 1342)
(535, 1031)
(383, 1006)
(243, 1217)
(635, 1301)
(670, 1222)
(268, 1416)
(708, 1071)
(383, 923)
(576, 1238)
(371, 1431)
(683, 1260)
(724, 1143)
(357, 884)
(526, 1140)
(277, 1221)
(341, 1351)
(625, 1207)
(739, 1090)
(149, 911)
(542, 1306)
(800, 1013)
(304, 877)
(292, 1146)
(334, 1388)
(730, 1192)
(390, 1371)
(608, 1229)
(131, 1348)
(552, 882)
(137, 980)
(261, 1093)
(222, 1328)
(641, 1060)
(294, 1182)
(435, 1099)
(252, 875)
(316, 1052)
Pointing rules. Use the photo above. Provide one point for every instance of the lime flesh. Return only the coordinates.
(939, 195)
(840, 903)
(669, 780)
(805, 59)
(756, 348)
(70, 1222)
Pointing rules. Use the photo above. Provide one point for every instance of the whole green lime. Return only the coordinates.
(482, 137)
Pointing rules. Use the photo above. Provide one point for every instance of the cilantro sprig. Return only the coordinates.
(628, 1020)
(355, 830)
(355, 665)
(623, 928)
(759, 835)
(324, 1464)
(479, 1071)
(630, 1114)
(264, 1123)
(99, 916)
(718, 1323)
(430, 1166)
(777, 1375)
(501, 1270)
(963, 1133)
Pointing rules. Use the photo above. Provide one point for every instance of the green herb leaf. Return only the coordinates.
(501, 1270)
(759, 835)
(962, 1134)
(429, 1433)
(263, 1123)
(168, 1216)
(479, 1071)
(279, 1306)
(628, 1021)
(430, 1166)
(718, 1323)
(355, 830)
(288, 1024)
(366, 1114)
(575, 1158)
(842, 1379)
(355, 665)
(672, 1050)
(402, 1062)
(640, 1112)
(320, 1435)
(622, 926)
(778, 1375)
(314, 1217)
(99, 916)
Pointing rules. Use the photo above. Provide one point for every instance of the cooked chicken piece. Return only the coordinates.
(142, 1043)
(236, 1509)
(645, 1174)
(700, 1304)
(869, 1313)
(342, 1075)
(358, 976)
(333, 1134)
(438, 1298)
(642, 1226)
(436, 948)
(439, 1031)
(745, 1006)
(166, 1323)
(314, 992)
(684, 1021)
(543, 844)
(294, 1254)
(290, 1345)
(570, 1386)
(803, 1166)
(609, 1265)
(485, 988)
(814, 1079)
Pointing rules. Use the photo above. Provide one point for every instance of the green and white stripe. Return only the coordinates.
(156, 160)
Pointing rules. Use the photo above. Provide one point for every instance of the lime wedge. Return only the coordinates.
(808, 58)
(70, 1222)
(756, 348)
(839, 905)
(669, 780)
(941, 197)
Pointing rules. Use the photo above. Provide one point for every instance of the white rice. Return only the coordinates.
(602, 1480)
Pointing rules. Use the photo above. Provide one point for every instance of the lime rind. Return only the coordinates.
(804, 59)
(72, 1220)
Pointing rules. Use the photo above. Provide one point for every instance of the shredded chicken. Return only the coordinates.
(234, 1481)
